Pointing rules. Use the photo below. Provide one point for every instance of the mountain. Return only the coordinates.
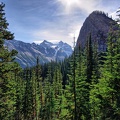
(57, 51)
(98, 24)
(47, 51)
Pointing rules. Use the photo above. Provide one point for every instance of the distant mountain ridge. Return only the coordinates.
(46, 51)
(98, 24)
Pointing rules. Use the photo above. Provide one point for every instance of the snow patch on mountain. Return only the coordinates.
(46, 51)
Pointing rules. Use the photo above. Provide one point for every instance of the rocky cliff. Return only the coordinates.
(98, 24)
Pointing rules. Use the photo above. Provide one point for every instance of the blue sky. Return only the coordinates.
(52, 20)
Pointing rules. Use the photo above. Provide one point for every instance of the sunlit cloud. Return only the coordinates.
(114, 14)
(70, 6)
(50, 35)
(63, 30)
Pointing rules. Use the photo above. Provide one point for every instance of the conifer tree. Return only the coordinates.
(81, 86)
(105, 95)
(89, 62)
(28, 96)
(49, 95)
(36, 89)
(20, 88)
(89, 73)
(7, 69)
(70, 90)
(57, 87)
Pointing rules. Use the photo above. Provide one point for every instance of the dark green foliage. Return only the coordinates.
(89, 62)
(8, 72)
(82, 86)
(105, 95)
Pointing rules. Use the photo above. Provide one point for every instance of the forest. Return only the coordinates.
(86, 86)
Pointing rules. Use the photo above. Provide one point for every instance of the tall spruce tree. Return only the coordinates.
(8, 68)
(105, 95)
(36, 82)
(49, 95)
(58, 91)
(20, 89)
(89, 62)
(81, 86)
(28, 96)
(70, 90)
(89, 72)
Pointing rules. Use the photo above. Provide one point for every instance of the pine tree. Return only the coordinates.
(58, 90)
(95, 79)
(105, 95)
(48, 95)
(89, 73)
(20, 89)
(81, 86)
(89, 62)
(28, 96)
(70, 90)
(38, 92)
(7, 70)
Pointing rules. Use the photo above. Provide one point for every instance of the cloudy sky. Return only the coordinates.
(52, 20)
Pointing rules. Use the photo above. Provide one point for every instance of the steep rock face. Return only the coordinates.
(47, 51)
(98, 24)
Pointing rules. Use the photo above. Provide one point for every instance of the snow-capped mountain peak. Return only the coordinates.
(47, 51)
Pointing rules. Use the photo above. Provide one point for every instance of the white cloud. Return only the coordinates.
(64, 29)
(52, 36)
(87, 6)
(115, 15)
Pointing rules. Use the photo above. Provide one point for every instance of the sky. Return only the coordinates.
(52, 20)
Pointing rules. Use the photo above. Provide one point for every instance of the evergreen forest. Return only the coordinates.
(85, 86)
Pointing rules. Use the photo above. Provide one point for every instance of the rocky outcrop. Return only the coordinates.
(98, 24)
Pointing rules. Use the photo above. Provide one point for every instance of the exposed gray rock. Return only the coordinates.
(98, 24)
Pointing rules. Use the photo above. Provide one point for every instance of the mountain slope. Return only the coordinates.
(98, 24)
(47, 51)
